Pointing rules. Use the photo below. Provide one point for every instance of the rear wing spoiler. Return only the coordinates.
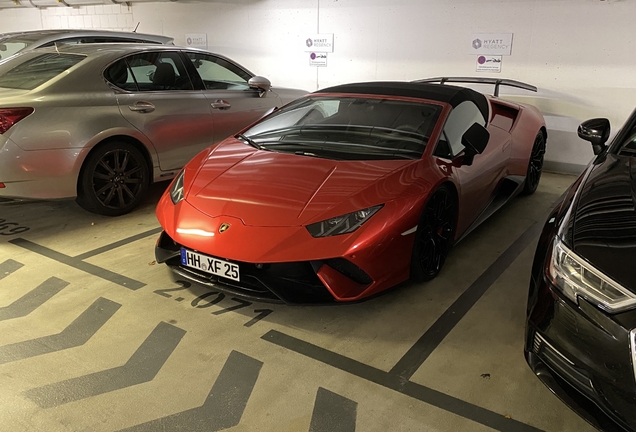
(479, 80)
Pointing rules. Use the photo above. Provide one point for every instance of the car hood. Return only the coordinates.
(265, 188)
(287, 95)
(604, 229)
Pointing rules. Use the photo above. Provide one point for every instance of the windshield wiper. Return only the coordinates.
(250, 142)
(317, 149)
(304, 153)
(342, 146)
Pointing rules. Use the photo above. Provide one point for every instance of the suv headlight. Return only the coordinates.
(342, 224)
(576, 278)
(176, 190)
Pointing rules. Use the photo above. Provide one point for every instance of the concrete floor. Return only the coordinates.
(95, 336)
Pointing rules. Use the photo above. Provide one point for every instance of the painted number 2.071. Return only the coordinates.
(11, 228)
(212, 298)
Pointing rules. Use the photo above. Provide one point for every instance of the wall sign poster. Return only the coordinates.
(197, 40)
(488, 63)
(491, 44)
(318, 59)
(318, 43)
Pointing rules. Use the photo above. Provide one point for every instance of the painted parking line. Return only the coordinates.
(429, 341)
(224, 406)
(399, 376)
(333, 413)
(120, 243)
(77, 333)
(33, 299)
(425, 394)
(9, 266)
(142, 367)
(433, 337)
(79, 264)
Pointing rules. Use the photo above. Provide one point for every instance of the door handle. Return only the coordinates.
(142, 107)
(221, 104)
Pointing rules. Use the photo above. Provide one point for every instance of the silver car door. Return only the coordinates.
(160, 101)
(232, 102)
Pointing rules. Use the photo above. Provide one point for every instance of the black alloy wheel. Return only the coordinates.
(535, 165)
(113, 179)
(435, 235)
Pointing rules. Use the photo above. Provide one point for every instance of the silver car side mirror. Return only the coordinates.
(261, 83)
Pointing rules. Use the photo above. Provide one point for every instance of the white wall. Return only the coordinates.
(578, 52)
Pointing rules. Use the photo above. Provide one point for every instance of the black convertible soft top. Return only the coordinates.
(453, 95)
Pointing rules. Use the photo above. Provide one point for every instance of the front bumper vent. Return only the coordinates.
(350, 270)
(562, 366)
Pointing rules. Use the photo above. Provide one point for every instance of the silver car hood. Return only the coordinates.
(287, 95)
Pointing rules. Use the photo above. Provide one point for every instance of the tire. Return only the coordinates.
(435, 235)
(113, 179)
(535, 165)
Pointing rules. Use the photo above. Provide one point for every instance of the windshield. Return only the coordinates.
(12, 44)
(37, 70)
(347, 128)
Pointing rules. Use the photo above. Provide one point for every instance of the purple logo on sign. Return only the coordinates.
(481, 60)
(189, 41)
(309, 42)
(313, 56)
(477, 43)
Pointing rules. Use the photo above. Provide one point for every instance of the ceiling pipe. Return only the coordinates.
(38, 4)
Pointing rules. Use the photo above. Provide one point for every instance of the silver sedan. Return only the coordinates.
(12, 43)
(100, 122)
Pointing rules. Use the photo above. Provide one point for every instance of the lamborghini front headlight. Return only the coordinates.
(342, 224)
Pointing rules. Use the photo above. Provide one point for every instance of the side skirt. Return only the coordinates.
(508, 188)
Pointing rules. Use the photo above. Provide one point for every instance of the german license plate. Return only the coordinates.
(209, 264)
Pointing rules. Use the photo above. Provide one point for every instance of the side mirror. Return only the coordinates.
(261, 83)
(596, 131)
(475, 140)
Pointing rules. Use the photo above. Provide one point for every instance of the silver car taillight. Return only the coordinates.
(10, 116)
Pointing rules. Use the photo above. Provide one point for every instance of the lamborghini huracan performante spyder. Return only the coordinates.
(348, 191)
(581, 317)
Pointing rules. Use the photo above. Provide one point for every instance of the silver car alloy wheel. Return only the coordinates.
(113, 180)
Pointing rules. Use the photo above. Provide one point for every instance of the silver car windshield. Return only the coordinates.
(12, 44)
(38, 70)
(351, 128)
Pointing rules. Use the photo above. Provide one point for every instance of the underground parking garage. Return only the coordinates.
(315, 216)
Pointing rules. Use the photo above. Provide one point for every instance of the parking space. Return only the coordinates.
(95, 336)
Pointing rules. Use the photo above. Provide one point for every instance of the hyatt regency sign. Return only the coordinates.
(491, 44)
(318, 43)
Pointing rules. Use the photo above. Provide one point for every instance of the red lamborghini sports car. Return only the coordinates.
(348, 191)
